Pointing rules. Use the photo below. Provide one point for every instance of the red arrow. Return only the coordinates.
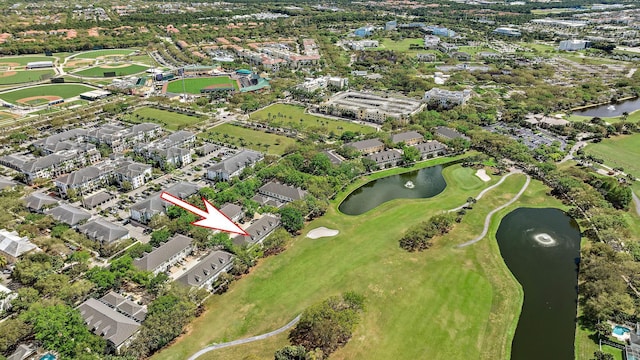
(212, 218)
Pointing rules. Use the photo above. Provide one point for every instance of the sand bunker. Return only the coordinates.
(482, 174)
(321, 232)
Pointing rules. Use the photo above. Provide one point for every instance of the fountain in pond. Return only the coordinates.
(611, 107)
(409, 184)
(545, 239)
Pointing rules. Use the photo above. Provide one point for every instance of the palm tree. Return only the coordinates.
(3, 262)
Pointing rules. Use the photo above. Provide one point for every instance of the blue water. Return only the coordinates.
(620, 330)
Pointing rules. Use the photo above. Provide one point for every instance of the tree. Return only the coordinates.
(329, 324)
(410, 155)
(126, 186)
(26, 297)
(61, 328)
(3, 262)
(159, 236)
(13, 331)
(290, 352)
(600, 355)
(292, 219)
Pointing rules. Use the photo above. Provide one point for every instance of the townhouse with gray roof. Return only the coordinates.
(97, 199)
(407, 137)
(68, 214)
(13, 246)
(6, 183)
(82, 181)
(431, 149)
(173, 149)
(39, 202)
(257, 231)
(166, 255)
(232, 211)
(367, 146)
(449, 133)
(134, 173)
(144, 210)
(281, 192)
(113, 318)
(233, 166)
(74, 135)
(207, 270)
(386, 158)
(104, 231)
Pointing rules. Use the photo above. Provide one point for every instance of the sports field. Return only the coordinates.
(620, 151)
(171, 120)
(249, 138)
(444, 303)
(193, 85)
(18, 77)
(6, 116)
(45, 92)
(119, 69)
(23, 60)
(294, 117)
(104, 53)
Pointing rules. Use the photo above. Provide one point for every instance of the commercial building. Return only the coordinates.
(441, 31)
(39, 65)
(507, 31)
(370, 107)
(446, 98)
(364, 31)
(573, 45)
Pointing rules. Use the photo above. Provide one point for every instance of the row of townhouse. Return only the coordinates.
(119, 137)
(233, 166)
(374, 149)
(91, 178)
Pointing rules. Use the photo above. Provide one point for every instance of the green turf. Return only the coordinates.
(23, 60)
(5, 116)
(252, 139)
(617, 353)
(465, 178)
(444, 303)
(401, 46)
(290, 115)
(620, 151)
(98, 71)
(193, 85)
(108, 52)
(472, 50)
(25, 76)
(171, 120)
(65, 91)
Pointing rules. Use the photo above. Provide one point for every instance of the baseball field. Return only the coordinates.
(119, 69)
(19, 77)
(42, 94)
(96, 54)
(193, 85)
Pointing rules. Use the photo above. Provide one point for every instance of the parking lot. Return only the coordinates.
(532, 138)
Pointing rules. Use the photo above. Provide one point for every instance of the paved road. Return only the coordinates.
(247, 340)
(636, 202)
(486, 190)
(575, 148)
(487, 220)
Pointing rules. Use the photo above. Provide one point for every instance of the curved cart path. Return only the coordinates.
(487, 220)
(481, 194)
(247, 340)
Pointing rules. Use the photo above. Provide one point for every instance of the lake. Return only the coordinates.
(541, 247)
(611, 110)
(427, 182)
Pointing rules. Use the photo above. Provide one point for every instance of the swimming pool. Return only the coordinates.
(620, 330)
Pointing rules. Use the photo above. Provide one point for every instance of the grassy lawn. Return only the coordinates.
(98, 71)
(108, 52)
(6, 116)
(24, 76)
(171, 120)
(249, 138)
(444, 303)
(193, 85)
(23, 60)
(401, 46)
(465, 178)
(472, 50)
(65, 91)
(290, 115)
(620, 151)
(617, 353)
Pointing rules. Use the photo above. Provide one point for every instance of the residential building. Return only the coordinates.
(258, 231)
(172, 150)
(203, 274)
(68, 214)
(507, 31)
(632, 351)
(367, 146)
(13, 246)
(125, 306)
(233, 166)
(370, 107)
(74, 135)
(38, 202)
(361, 44)
(207, 149)
(446, 98)
(431, 41)
(407, 137)
(232, 211)
(386, 158)
(104, 231)
(447, 47)
(108, 323)
(6, 296)
(82, 181)
(52, 165)
(390, 25)
(449, 133)
(333, 157)
(132, 172)
(282, 192)
(144, 210)
(460, 56)
(6, 183)
(574, 45)
(426, 57)
(431, 149)
(97, 199)
(23, 352)
(166, 255)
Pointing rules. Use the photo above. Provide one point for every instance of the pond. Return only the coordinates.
(611, 110)
(541, 247)
(422, 183)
